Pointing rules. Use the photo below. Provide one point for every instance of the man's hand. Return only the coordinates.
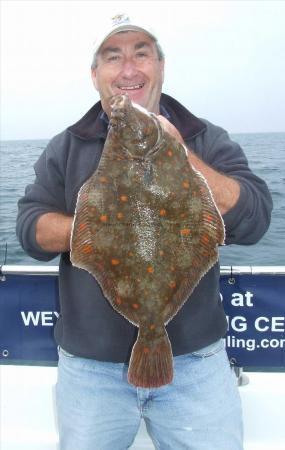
(225, 190)
(167, 126)
(53, 232)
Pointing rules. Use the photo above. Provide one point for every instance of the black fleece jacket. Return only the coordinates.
(88, 326)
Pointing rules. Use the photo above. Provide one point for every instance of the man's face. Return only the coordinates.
(128, 64)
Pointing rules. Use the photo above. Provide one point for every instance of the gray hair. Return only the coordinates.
(159, 51)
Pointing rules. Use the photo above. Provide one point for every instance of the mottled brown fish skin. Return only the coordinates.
(147, 228)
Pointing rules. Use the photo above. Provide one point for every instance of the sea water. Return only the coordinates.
(266, 156)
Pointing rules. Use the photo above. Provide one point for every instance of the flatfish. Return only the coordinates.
(147, 228)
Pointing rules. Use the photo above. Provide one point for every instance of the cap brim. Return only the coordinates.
(118, 29)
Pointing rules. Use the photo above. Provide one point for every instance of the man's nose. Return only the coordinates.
(129, 67)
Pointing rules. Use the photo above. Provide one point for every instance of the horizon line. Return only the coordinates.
(230, 133)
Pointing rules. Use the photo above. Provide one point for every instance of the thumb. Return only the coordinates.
(170, 128)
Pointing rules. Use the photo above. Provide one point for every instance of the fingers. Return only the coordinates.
(170, 128)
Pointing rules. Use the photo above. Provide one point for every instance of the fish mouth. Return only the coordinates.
(120, 104)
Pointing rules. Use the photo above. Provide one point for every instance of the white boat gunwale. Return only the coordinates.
(53, 270)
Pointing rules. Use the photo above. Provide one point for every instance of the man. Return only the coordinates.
(97, 407)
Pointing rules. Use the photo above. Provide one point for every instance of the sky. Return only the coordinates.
(225, 61)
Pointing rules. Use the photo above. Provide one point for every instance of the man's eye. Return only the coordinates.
(113, 58)
(141, 55)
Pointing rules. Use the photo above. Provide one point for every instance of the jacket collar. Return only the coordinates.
(186, 123)
(92, 126)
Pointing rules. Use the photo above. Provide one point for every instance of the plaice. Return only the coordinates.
(147, 228)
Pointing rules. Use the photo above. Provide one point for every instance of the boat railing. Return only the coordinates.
(224, 270)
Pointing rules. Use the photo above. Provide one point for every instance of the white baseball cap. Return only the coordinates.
(121, 22)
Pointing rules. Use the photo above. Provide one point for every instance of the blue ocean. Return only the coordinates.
(266, 156)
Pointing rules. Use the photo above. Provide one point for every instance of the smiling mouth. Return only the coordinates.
(133, 87)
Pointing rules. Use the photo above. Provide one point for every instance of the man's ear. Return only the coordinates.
(94, 78)
(162, 70)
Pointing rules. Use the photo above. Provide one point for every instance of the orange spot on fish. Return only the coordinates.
(152, 326)
(130, 254)
(124, 198)
(205, 239)
(150, 269)
(186, 184)
(115, 261)
(185, 232)
(103, 179)
(120, 215)
(182, 215)
(162, 212)
(135, 305)
(104, 218)
(118, 301)
(87, 249)
(172, 284)
(170, 153)
(82, 226)
(161, 252)
(146, 350)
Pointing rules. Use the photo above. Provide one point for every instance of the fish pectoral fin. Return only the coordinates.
(151, 363)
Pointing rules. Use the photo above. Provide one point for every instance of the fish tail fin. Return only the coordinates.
(151, 363)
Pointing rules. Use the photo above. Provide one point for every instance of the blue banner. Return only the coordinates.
(255, 308)
(29, 307)
(254, 305)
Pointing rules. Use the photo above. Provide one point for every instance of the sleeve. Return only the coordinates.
(46, 194)
(249, 219)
